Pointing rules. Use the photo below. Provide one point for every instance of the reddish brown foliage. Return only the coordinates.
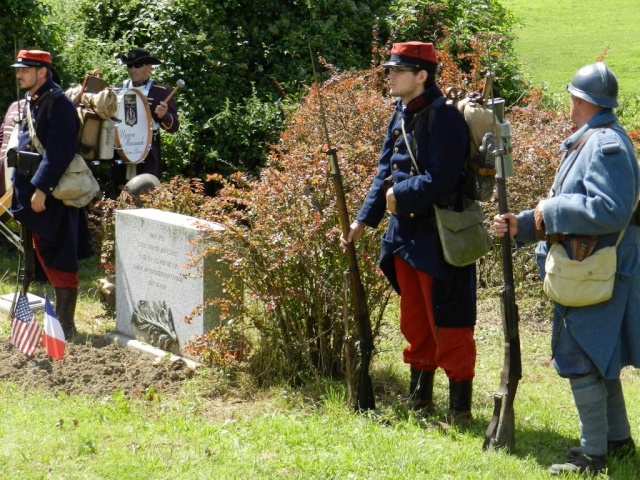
(282, 237)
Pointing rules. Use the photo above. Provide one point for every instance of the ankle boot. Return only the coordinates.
(460, 402)
(66, 299)
(421, 390)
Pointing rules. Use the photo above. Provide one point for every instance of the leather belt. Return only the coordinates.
(559, 237)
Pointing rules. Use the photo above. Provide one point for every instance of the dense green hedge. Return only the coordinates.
(247, 63)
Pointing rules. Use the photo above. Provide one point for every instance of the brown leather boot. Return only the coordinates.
(66, 299)
(421, 390)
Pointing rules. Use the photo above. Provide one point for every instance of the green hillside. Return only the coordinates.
(557, 37)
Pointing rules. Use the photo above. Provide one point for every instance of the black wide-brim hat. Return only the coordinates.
(139, 55)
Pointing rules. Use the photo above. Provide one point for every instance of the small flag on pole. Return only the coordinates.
(25, 330)
(53, 339)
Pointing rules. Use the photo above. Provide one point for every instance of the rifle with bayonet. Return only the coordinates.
(365, 399)
(501, 430)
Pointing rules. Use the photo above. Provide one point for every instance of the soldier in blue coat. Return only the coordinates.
(60, 233)
(437, 300)
(595, 193)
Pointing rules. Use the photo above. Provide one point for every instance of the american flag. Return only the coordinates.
(25, 330)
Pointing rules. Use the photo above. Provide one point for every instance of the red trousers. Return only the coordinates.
(58, 278)
(430, 347)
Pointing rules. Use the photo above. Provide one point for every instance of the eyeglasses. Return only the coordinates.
(398, 70)
(136, 65)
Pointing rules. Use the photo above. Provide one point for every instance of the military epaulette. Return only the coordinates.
(609, 142)
(611, 147)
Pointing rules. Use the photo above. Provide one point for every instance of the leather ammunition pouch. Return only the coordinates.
(582, 246)
(26, 163)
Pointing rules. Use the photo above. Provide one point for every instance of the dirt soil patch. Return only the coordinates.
(93, 367)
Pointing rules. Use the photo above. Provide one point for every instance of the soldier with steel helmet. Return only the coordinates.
(594, 196)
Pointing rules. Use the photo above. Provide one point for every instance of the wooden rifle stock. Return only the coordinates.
(501, 430)
(365, 399)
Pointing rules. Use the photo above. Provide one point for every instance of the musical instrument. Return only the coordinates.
(5, 217)
(134, 132)
(179, 84)
(5, 203)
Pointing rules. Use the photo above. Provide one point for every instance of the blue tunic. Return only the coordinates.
(597, 197)
(63, 230)
(440, 150)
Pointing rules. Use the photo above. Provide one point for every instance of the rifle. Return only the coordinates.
(26, 259)
(365, 399)
(501, 430)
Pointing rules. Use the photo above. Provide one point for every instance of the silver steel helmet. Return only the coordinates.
(596, 84)
(139, 185)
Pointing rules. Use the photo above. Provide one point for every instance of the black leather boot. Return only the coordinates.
(588, 464)
(460, 402)
(421, 390)
(615, 448)
(66, 299)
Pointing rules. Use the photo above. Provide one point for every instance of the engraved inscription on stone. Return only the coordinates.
(153, 250)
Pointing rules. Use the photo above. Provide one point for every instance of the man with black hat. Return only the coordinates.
(46, 145)
(139, 63)
(423, 156)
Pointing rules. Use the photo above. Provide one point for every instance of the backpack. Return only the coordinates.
(479, 171)
(480, 166)
(96, 105)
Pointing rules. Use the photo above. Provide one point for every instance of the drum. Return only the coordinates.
(134, 132)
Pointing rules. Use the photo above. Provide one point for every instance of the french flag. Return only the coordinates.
(53, 337)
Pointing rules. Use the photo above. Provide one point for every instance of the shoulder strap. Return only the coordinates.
(46, 103)
(416, 124)
(32, 132)
(576, 147)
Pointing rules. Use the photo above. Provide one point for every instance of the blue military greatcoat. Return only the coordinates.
(597, 197)
(63, 230)
(439, 141)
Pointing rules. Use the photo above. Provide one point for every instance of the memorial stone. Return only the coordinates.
(156, 289)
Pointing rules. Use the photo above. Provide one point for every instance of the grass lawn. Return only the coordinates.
(559, 36)
(294, 433)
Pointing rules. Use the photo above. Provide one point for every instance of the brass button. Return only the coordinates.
(411, 215)
(396, 132)
(395, 166)
(396, 150)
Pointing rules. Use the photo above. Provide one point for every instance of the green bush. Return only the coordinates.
(281, 238)
(242, 61)
(459, 28)
(23, 25)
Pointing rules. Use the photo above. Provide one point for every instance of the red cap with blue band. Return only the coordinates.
(418, 55)
(32, 58)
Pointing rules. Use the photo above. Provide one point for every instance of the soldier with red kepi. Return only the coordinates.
(60, 232)
(139, 63)
(437, 300)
